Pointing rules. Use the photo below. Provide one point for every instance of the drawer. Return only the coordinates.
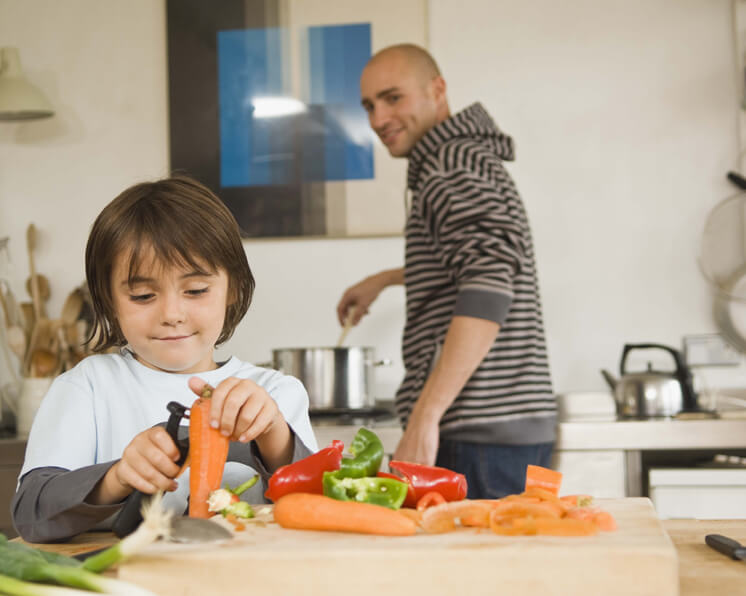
(699, 493)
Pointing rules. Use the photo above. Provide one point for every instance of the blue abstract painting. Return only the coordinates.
(270, 137)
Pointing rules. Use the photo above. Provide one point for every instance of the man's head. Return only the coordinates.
(404, 94)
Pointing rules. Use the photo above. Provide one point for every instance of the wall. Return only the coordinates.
(625, 119)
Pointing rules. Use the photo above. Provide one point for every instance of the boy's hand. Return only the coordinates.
(149, 462)
(240, 409)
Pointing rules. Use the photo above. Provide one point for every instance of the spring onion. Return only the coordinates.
(20, 564)
(156, 523)
(16, 587)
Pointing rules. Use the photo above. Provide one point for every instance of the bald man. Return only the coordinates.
(477, 395)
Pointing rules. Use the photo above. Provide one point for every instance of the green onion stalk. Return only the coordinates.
(156, 523)
(27, 571)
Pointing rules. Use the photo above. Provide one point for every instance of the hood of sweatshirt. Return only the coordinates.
(472, 123)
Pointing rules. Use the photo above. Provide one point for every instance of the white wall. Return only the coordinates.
(625, 119)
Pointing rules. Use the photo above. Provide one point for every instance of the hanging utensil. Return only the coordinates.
(44, 291)
(35, 293)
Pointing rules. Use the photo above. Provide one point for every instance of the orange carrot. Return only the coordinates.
(565, 527)
(550, 480)
(208, 451)
(306, 511)
(577, 500)
(604, 521)
(469, 513)
(518, 509)
(429, 499)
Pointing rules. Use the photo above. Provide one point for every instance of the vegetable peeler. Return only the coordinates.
(130, 517)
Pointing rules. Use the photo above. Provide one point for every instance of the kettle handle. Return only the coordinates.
(683, 374)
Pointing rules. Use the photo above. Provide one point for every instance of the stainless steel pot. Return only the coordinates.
(651, 393)
(335, 378)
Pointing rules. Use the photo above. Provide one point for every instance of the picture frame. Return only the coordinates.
(264, 109)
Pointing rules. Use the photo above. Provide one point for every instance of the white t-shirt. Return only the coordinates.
(92, 412)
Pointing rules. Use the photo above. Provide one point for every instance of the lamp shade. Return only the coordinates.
(19, 99)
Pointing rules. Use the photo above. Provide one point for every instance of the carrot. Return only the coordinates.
(208, 452)
(442, 518)
(550, 480)
(305, 511)
(518, 526)
(517, 509)
(429, 499)
(604, 521)
(577, 500)
(565, 527)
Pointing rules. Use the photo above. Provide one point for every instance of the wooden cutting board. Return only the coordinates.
(637, 559)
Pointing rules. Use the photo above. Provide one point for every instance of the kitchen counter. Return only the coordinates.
(638, 435)
(702, 571)
(653, 434)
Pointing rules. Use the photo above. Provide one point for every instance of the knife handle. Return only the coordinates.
(725, 545)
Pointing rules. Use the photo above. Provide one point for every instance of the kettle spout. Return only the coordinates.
(609, 379)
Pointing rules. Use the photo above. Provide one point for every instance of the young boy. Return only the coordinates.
(169, 281)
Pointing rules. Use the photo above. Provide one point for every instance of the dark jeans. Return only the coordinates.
(492, 471)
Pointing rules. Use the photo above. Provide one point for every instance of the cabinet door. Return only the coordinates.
(597, 473)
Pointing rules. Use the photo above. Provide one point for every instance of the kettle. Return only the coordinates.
(652, 394)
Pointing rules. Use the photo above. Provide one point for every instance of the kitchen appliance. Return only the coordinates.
(722, 261)
(337, 379)
(652, 393)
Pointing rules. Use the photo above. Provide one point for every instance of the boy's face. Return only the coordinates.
(170, 317)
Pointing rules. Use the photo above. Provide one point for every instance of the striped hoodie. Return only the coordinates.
(469, 252)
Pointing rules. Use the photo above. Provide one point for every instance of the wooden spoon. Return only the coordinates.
(347, 326)
(35, 294)
(44, 363)
(16, 338)
(44, 290)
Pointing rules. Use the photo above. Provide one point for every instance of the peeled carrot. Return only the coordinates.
(565, 527)
(549, 480)
(577, 500)
(306, 511)
(430, 499)
(208, 452)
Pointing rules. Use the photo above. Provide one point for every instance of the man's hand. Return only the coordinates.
(362, 294)
(419, 443)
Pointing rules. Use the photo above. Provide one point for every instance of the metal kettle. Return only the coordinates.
(651, 393)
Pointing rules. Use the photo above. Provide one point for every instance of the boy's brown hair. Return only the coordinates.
(184, 224)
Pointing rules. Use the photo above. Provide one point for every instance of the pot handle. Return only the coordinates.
(382, 362)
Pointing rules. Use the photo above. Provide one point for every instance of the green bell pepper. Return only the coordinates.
(367, 451)
(386, 492)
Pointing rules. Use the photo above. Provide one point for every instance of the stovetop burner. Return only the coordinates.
(343, 416)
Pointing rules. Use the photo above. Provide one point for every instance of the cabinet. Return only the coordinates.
(11, 460)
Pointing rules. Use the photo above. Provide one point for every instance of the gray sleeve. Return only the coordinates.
(49, 505)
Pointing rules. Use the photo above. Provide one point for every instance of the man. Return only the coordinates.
(477, 395)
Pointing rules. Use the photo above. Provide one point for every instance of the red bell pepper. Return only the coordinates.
(423, 479)
(305, 475)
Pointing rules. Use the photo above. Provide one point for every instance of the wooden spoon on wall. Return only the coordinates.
(35, 293)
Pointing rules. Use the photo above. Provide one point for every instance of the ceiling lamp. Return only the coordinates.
(19, 99)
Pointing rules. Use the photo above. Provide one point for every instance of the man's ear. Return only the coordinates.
(438, 85)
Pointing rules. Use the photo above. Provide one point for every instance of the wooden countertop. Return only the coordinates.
(702, 570)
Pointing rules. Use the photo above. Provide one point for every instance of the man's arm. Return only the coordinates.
(466, 344)
(362, 294)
